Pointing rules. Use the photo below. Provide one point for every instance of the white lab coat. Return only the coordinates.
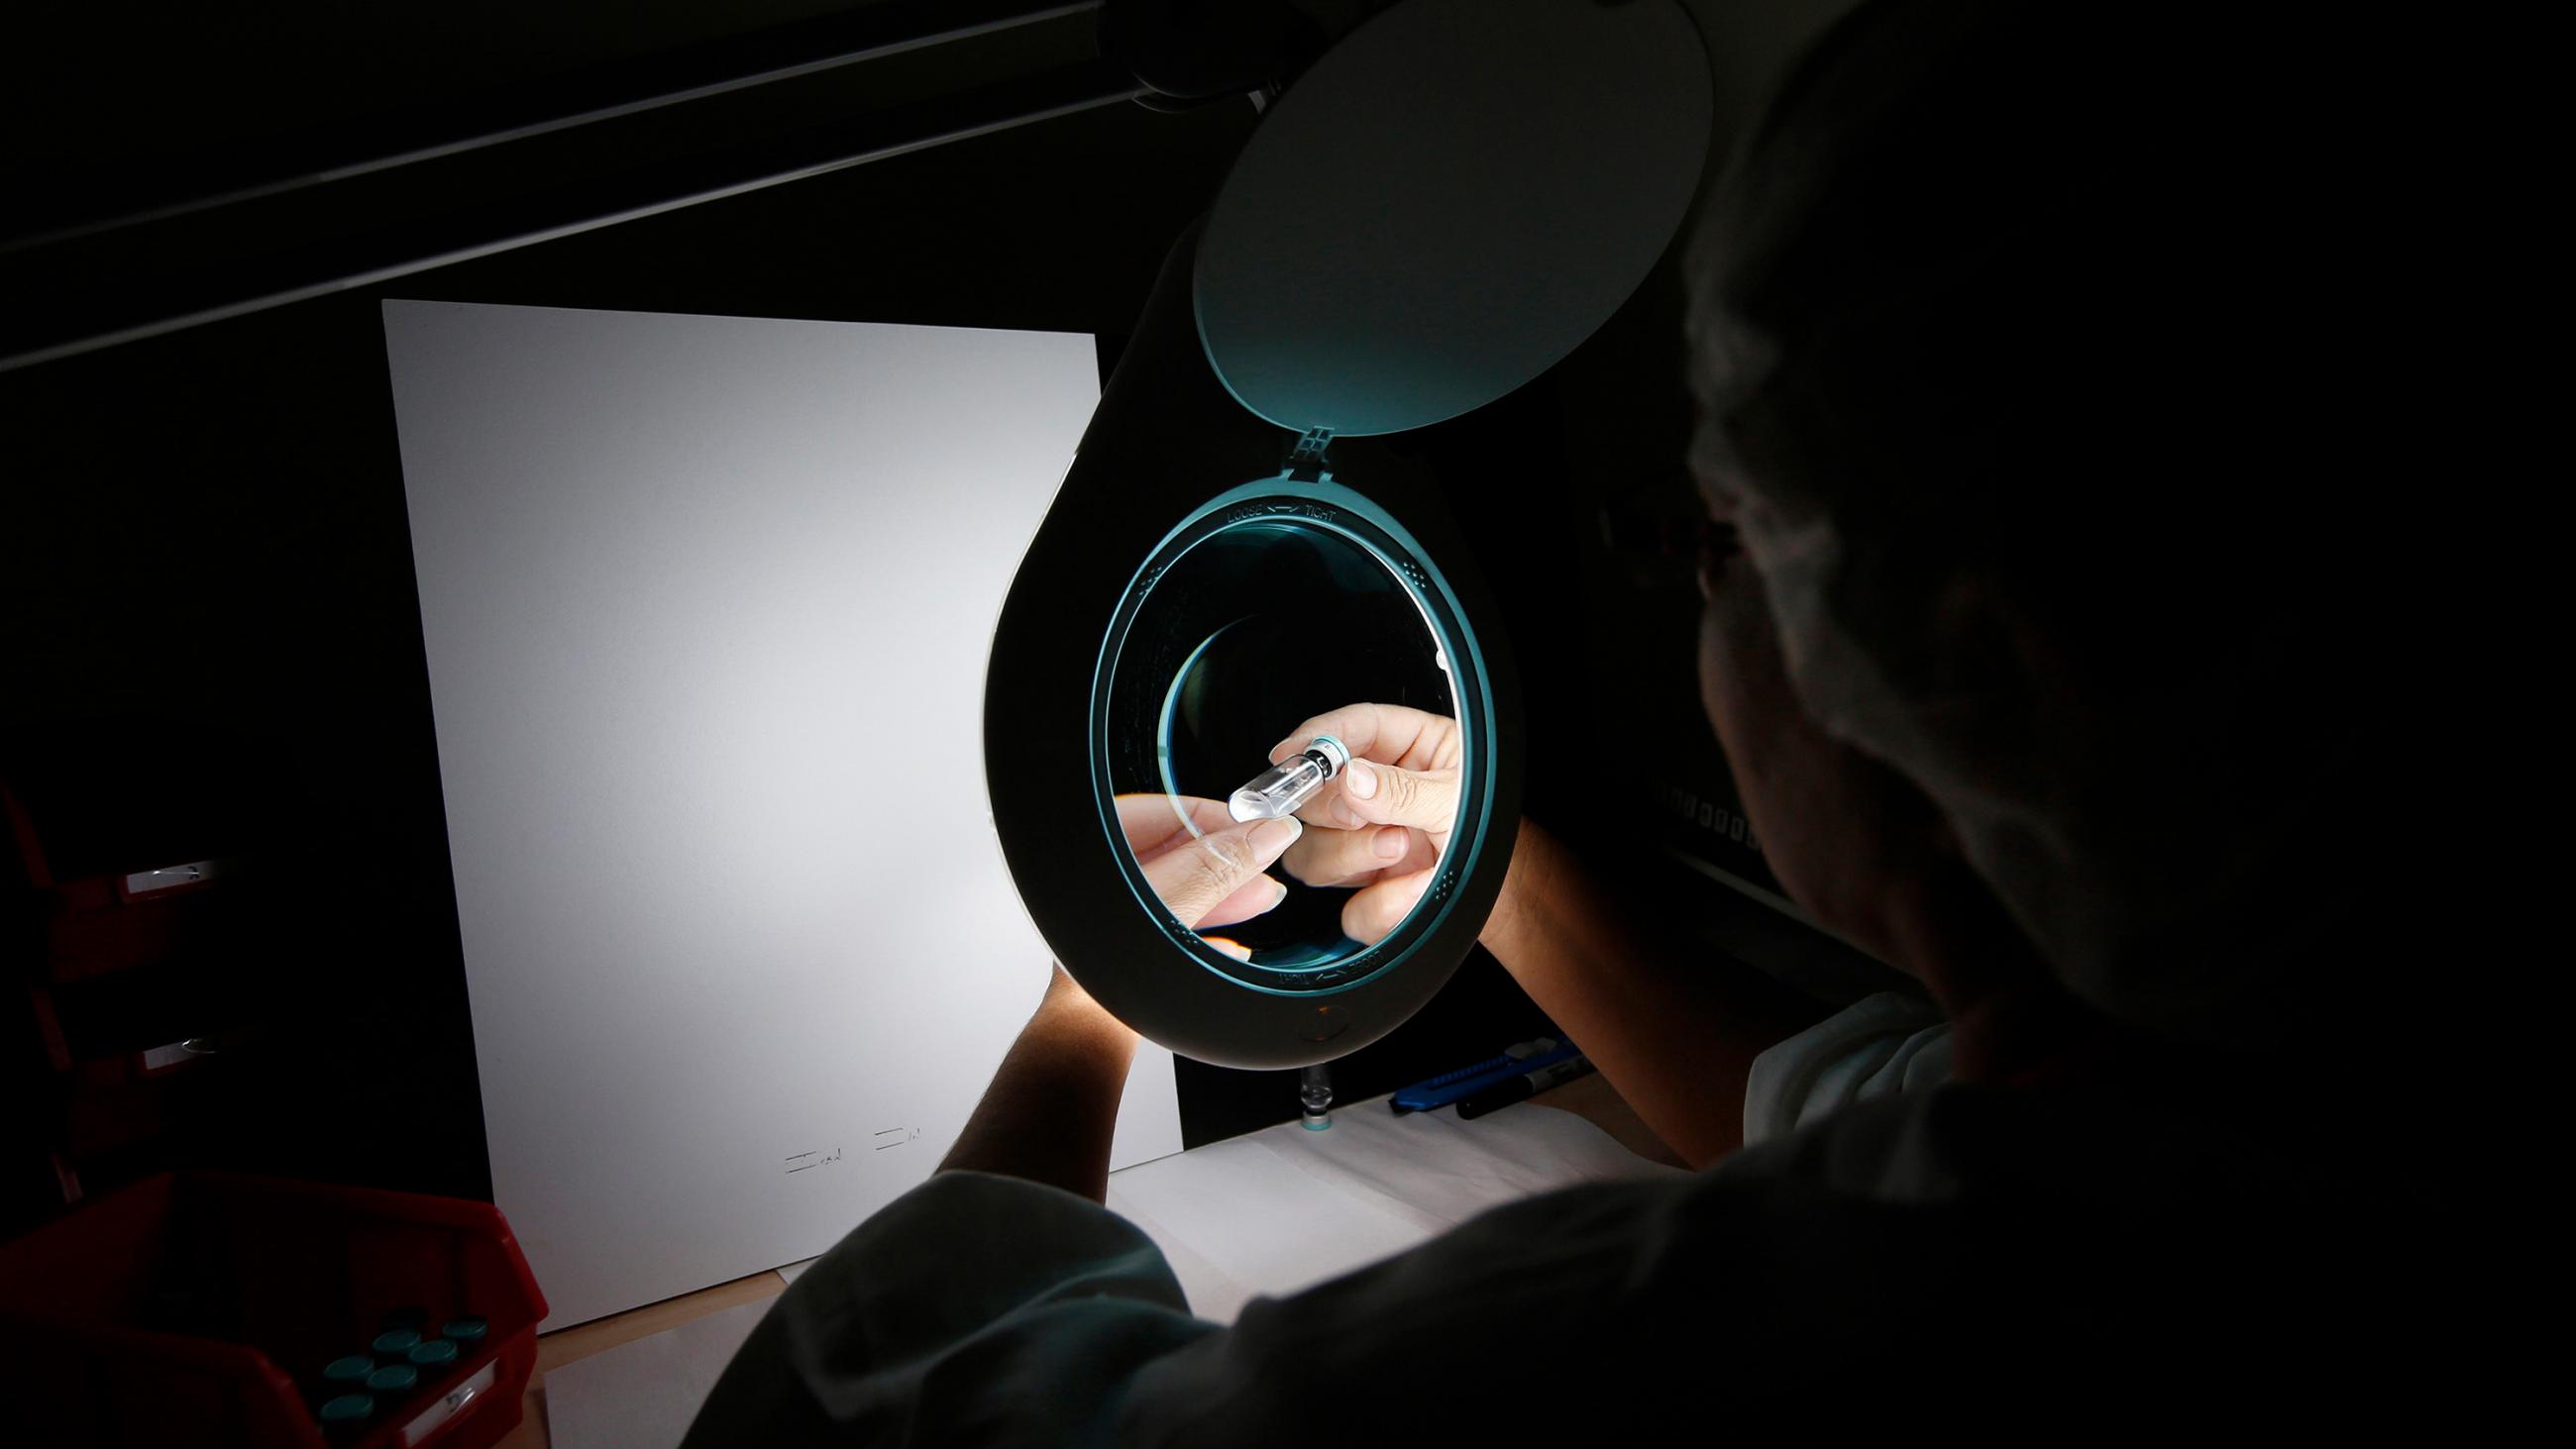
(1883, 1247)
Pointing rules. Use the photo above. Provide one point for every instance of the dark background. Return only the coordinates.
(212, 644)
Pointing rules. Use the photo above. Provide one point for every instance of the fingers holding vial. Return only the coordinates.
(1378, 784)
(1360, 799)
(1209, 869)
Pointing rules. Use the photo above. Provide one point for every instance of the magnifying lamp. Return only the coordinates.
(1438, 211)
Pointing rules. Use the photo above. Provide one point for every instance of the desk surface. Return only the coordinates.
(1588, 1097)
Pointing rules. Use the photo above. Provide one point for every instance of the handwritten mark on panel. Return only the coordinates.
(824, 1157)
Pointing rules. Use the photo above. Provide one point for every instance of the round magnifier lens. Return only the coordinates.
(1265, 655)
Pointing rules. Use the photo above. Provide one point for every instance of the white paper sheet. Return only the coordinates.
(1283, 1209)
(707, 603)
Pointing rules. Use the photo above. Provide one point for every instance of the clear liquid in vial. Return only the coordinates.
(1282, 788)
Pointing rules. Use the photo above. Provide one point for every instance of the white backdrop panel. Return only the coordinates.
(707, 603)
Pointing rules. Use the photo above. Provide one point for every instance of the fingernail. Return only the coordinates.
(1390, 842)
(1278, 890)
(1273, 836)
(1360, 780)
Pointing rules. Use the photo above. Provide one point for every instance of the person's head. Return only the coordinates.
(2026, 376)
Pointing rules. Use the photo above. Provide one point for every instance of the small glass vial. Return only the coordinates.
(1283, 787)
(1315, 1097)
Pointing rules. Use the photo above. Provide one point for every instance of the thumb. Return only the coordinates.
(1196, 878)
(1386, 795)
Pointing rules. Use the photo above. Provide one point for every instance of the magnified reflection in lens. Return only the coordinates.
(1260, 628)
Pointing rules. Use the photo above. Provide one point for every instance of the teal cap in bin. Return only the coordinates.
(393, 1378)
(348, 1409)
(395, 1342)
(348, 1370)
(463, 1330)
(434, 1353)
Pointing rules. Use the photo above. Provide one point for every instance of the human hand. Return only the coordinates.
(1207, 867)
(1382, 825)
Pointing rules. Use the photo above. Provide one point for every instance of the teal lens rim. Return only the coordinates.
(1337, 509)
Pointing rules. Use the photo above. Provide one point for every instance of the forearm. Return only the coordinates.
(1676, 1038)
(1053, 1104)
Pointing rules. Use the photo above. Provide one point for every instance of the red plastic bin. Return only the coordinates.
(199, 1309)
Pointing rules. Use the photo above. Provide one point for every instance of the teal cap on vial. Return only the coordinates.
(393, 1378)
(463, 1330)
(348, 1409)
(435, 1353)
(348, 1370)
(395, 1342)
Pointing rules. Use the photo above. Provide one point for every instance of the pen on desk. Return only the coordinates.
(1448, 1087)
(1524, 1086)
(1419, 1096)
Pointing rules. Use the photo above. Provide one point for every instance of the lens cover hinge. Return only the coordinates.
(1306, 460)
